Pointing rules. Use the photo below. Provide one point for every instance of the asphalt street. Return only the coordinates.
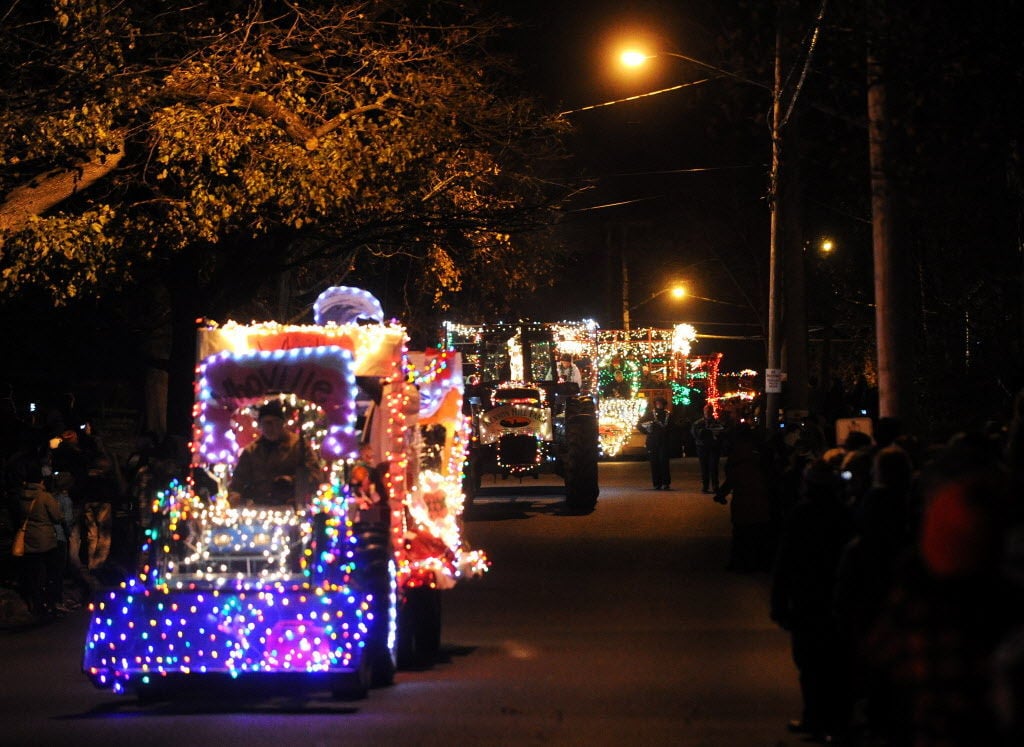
(620, 627)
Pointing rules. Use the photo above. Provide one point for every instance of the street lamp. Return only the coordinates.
(636, 58)
(678, 291)
(773, 373)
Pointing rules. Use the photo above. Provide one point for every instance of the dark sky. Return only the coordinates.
(691, 166)
(656, 168)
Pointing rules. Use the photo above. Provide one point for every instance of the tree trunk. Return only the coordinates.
(184, 287)
(892, 400)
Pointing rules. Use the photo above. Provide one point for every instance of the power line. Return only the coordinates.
(635, 98)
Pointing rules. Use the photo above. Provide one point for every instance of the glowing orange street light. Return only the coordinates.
(636, 58)
(633, 58)
(773, 391)
(677, 291)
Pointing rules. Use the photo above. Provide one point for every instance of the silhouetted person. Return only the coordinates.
(102, 490)
(952, 605)
(39, 512)
(867, 569)
(707, 431)
(656, 425)
(803, 584)
(751, 508)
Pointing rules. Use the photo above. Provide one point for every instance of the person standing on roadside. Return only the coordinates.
(40, 512)
(656, 424)
(746, 479)
(707, 432)
(802, 598)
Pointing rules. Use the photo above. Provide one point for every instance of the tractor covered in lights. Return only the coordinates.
(258, 592)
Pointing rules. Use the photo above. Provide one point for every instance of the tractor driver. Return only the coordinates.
(277, 469)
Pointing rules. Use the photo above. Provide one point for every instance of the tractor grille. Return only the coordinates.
(518, 450)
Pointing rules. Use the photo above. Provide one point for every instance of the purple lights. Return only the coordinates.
(137, 634)
(228, 381)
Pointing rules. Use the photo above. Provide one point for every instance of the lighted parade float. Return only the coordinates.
(333, 589)
(653, 361)
(659, 362)
(532, 410)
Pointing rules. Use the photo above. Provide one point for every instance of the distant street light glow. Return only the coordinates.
(633, 58)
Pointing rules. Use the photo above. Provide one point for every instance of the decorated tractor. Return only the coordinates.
(530, 394)
(334, 585)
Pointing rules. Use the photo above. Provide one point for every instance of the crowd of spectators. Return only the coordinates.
(86, 503)
(896, 569)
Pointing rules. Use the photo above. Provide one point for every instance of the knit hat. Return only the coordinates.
(271, 409)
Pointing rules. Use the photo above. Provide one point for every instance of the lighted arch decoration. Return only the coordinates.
(230, 381)
(341, 304)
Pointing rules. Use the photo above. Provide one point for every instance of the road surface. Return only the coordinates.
(621, 627)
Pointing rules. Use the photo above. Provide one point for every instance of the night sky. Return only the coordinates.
(676, 184)
(666, 181)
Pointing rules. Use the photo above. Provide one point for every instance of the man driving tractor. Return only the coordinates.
(276, 469)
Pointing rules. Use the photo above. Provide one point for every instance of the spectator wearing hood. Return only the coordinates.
(802, 591)
(40, 512)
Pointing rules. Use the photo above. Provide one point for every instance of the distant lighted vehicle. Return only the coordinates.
(525, 419)
(337, 588)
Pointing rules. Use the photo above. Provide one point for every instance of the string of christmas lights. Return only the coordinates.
(260, 590)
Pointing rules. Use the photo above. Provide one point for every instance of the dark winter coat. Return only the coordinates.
(40, 535)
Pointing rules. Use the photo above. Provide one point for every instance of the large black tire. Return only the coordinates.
(581, 456)
(373, 575)
(354, 686)
(419, 628)
(579, 406)
(152, 692)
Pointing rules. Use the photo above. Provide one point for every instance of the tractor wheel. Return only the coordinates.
(581, 455)
(419, 628)
(373, 575)
(579, 406)
(354, 685)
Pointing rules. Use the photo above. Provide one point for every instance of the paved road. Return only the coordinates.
(616, 628)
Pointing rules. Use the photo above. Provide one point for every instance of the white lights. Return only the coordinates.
(271, 589)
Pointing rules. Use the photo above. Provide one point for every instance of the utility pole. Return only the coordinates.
(772, 382)
(891, 358)
(794, 265)
(625, 290)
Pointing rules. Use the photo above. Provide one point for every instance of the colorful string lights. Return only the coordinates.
(268, 590)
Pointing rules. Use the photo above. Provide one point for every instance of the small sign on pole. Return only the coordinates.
(845, 426)
(773, 381)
